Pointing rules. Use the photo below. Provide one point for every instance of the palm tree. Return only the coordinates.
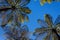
(52, 29)
(17, 11)
(42, 2)
(13, 33)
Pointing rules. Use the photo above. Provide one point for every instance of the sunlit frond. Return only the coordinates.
(25, 10)
(21, 18)
(49, 1)
(48, 19)
(42, 23)
(42, 2)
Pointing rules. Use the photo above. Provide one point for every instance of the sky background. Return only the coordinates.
(37, 12)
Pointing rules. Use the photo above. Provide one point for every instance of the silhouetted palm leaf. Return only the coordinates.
(48, 20)
(51, 29)
(19, 11)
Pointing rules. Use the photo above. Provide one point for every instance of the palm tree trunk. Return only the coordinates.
(56, 33)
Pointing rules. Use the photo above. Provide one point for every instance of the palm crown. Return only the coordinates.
(17, 12)
(52, 29)
(13, 33)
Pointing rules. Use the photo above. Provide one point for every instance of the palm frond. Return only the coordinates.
(2, 14)
(54, 36)
(42, 23)
(8, 20)
(48, 20)
(41, 30)
(57, 21)
(11, 2)
(49, 1)
(25, 28)
(48, 36)
(21, 18)
(25, 10)
(4, 8)
(26, 18)
(42, 2)
(18, 2)
(24, 2)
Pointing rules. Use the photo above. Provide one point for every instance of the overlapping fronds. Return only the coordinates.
(13, 33)
(52, 29)
(18, 11)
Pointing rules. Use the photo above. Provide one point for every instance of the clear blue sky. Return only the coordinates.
(37, 12)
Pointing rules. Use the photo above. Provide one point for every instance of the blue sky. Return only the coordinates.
(37, 12)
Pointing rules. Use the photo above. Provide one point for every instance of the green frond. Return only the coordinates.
(26, 18)
(48, 19)
(49, 1)
(41, 30)
(48, 36)
(42, 2)
(25, 10)
(21, 18)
